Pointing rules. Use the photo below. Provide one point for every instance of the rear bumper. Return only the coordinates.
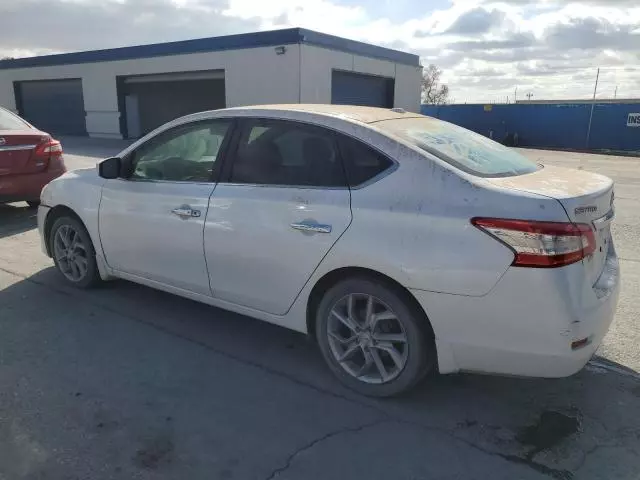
(16, 188)
(525, 326)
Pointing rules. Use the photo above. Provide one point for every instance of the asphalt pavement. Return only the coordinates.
(126, 382)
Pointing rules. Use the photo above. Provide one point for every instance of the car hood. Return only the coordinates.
(62, 188)
(89, 175)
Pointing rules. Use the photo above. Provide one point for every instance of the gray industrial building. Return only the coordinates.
(126, 92)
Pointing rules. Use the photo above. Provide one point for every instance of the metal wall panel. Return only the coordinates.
(552, 125)
(55, 106)
(348, 88)
(161, 102)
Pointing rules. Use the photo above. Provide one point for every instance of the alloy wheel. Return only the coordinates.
(70, 253)
(367, 338)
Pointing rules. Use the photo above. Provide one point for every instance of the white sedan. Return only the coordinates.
(401, 243)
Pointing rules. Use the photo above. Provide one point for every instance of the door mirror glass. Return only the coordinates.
(110, 167)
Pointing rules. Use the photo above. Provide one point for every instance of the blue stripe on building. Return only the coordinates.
(287, 36)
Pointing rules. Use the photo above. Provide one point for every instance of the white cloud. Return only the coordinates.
(485, 47)
(320, 11)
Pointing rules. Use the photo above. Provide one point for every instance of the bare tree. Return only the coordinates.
(6, 58)
(432, 91)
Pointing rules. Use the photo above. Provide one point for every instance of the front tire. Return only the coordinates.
(73, 252)
(373, 338)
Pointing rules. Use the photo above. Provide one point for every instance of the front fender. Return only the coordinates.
(79, 191)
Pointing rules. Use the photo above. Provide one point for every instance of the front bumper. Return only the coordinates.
(43, 211)
(525, 326)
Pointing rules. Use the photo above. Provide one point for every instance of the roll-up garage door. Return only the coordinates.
(55, 106)
(152, 100)
(348, 88)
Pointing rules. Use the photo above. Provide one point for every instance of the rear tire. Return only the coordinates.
(73, 252)
(381, 357)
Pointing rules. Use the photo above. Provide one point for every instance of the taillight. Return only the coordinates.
(541, 244)
(48, 148)
(47, 154)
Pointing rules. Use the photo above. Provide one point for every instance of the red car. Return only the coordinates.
(29, 159)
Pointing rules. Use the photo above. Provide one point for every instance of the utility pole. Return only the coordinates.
(529, 95)
(515, 95)
(615, 94)
(593, 104)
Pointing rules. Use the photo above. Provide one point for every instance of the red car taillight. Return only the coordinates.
(541, 244)
(46, 152)
(48, 148)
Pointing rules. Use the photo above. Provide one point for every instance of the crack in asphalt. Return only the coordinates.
(308, 446)
(557, 474)
(552, 472)
(587, 453)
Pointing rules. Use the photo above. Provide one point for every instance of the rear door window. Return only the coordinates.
(460, 147)
(9, 121)
(362, 163)
(277, 152)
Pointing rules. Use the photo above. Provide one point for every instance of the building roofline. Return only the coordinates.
(289, 36)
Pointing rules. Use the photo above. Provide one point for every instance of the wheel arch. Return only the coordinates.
(54, 214)
(331, 278)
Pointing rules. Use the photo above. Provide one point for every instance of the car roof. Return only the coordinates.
(320, 114)
(350, 112)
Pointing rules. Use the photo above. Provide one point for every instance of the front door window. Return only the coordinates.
(185, 154)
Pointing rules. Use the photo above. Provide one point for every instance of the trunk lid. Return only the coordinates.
(16, 148)
(586, 197)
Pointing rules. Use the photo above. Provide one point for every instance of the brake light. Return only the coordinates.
(48, 148)
(47, 154)
(541, 244)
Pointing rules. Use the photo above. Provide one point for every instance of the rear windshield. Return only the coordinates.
(9, 121)
(460, 147)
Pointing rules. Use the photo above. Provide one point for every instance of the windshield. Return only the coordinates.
(9, 121)
(460, 147)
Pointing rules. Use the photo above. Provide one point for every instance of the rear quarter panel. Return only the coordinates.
(414, 226)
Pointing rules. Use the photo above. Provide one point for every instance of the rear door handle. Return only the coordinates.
(311, 227)
(185, 211)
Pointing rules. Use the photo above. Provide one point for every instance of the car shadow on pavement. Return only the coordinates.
(180, 354)
(17, 218)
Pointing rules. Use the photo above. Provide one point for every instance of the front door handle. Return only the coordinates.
(185, 211)
(311, 227)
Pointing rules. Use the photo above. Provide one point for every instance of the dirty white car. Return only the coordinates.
(401, 243)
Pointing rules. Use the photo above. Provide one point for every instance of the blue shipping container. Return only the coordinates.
(549, 125)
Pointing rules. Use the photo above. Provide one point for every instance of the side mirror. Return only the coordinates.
(110, 167)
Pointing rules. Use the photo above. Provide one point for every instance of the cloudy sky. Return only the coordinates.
(486, 48)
